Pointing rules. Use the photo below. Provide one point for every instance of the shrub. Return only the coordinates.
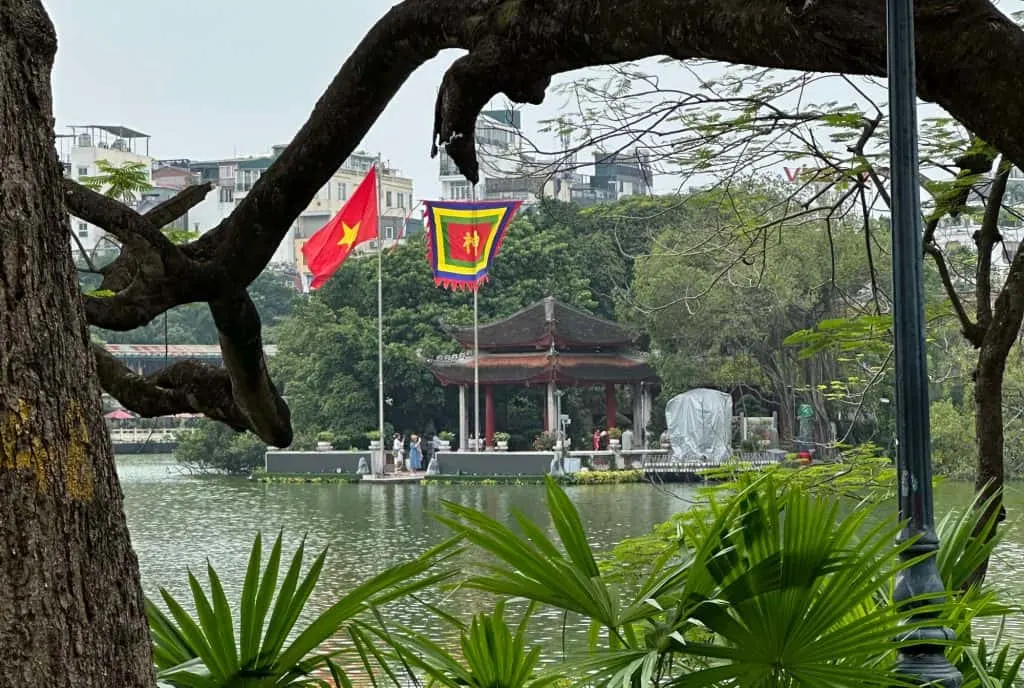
(544, 441)
(213, 447)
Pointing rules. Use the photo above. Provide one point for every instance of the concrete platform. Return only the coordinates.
(394, 478)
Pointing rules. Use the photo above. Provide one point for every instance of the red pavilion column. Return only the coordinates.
(489, 416)
(610, 407)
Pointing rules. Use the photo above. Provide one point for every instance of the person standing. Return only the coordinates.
(415, 453)
(397, 446)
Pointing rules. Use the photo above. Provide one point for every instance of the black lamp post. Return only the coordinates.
(924, 661)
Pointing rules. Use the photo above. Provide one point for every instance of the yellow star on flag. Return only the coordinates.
(348, 234)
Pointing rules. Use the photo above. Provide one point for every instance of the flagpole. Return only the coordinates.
(476, 369)
(476, 344)
(380, 326)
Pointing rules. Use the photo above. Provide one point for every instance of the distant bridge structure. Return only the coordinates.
(149, 358)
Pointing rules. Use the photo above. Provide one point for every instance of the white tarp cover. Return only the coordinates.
(700, 425)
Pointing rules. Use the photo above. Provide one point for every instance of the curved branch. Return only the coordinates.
(116, 218)
(173, 208)
(183, 387)
(241, 344)
(971, 331)
(985, 239)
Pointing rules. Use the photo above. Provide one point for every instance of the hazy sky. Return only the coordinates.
(214, 78)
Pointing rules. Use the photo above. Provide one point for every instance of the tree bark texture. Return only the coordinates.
(988, 423)
(71, 610)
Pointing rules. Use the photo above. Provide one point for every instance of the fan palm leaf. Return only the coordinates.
(269, 649)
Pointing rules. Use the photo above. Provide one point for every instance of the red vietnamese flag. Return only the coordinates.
(354, 224)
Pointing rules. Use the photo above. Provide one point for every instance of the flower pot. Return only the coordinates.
(444, 445)
(324, 446)
(614, 444)
(474, 444)
(375, 445)
(502, 445)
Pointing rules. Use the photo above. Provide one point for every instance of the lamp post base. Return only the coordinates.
(925, 660)
(931, 669)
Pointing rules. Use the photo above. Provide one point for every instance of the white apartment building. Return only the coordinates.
(233, 178)
(395, 206)
(79, 153)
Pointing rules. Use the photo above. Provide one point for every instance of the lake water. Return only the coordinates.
(178, 522)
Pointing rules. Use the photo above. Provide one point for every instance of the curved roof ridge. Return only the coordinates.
(528, 327)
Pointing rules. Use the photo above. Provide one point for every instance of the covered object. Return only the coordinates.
(700, 425)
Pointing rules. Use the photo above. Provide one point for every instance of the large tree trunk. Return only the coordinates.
(988, 423)
(988, 434)
(71, 609)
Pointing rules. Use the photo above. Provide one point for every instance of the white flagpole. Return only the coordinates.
(380, 325)
(476, 369)
(476, 345)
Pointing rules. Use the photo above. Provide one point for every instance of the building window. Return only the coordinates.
(387, 199)
(83, 229)
(389, 232)
(227, 194)
(83, 171)
(460, 191)
(342, 191)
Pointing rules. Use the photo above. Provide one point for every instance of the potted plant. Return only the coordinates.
(324, 440)
(374, 437)
(544, 442)
(614, 438)
(445, 438)
(474, 444)
(501, 438)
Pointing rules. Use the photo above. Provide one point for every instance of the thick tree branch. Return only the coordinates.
(116, 218)
(183, 387)
(241, 344)
(173, 208)
(985, 239)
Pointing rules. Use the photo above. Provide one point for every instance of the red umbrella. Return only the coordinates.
(119, 414)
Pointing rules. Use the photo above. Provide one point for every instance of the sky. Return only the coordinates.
(215, 78)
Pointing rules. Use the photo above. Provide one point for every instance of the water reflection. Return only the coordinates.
(177, 522)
